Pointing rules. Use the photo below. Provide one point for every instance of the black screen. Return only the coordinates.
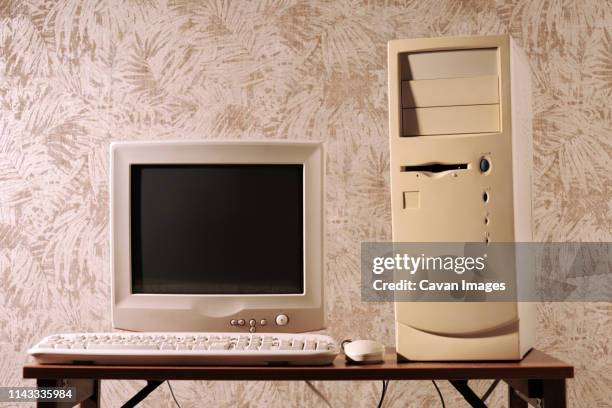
(217, 229)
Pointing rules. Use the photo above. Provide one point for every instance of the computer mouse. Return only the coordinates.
(364, 351)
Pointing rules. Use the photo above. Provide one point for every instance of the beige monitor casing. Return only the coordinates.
(215, 313)
(455, 101)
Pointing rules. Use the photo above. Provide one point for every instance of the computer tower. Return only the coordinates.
(461, 157)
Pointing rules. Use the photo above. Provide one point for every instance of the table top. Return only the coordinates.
(535, 365)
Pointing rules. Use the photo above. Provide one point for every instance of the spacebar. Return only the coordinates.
(121, 347)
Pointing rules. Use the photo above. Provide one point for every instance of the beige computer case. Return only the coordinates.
(454, 101)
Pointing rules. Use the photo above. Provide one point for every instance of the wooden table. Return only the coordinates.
(537, 376)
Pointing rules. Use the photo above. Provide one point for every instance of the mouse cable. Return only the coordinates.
(344, 342)
(172, 392)
(385, 385)
(319, 393)
(439, 393)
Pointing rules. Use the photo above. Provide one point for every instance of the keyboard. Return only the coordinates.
(186, 349)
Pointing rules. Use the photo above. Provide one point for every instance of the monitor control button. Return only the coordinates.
(282, 320)
(252, 322)
(263, 322)
(233, 322)
(241, 322)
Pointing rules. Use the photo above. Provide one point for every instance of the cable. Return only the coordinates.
(172, 392)
(439, 393)
(385, 384)
(344, 342)
(319, 393)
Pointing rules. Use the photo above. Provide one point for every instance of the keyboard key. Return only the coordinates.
(219, 346)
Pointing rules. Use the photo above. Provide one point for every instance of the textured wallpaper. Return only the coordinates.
(77, 74)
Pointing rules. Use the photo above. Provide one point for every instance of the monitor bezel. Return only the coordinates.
(192, 312)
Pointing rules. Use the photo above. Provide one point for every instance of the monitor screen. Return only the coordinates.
(217, 229)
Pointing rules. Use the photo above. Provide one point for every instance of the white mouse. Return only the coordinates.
(364, 351)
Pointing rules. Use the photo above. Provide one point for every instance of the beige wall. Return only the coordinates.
(75, 75)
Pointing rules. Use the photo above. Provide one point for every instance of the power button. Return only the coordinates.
(282, 320)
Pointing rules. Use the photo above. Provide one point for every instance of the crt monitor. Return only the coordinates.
(217, 236)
